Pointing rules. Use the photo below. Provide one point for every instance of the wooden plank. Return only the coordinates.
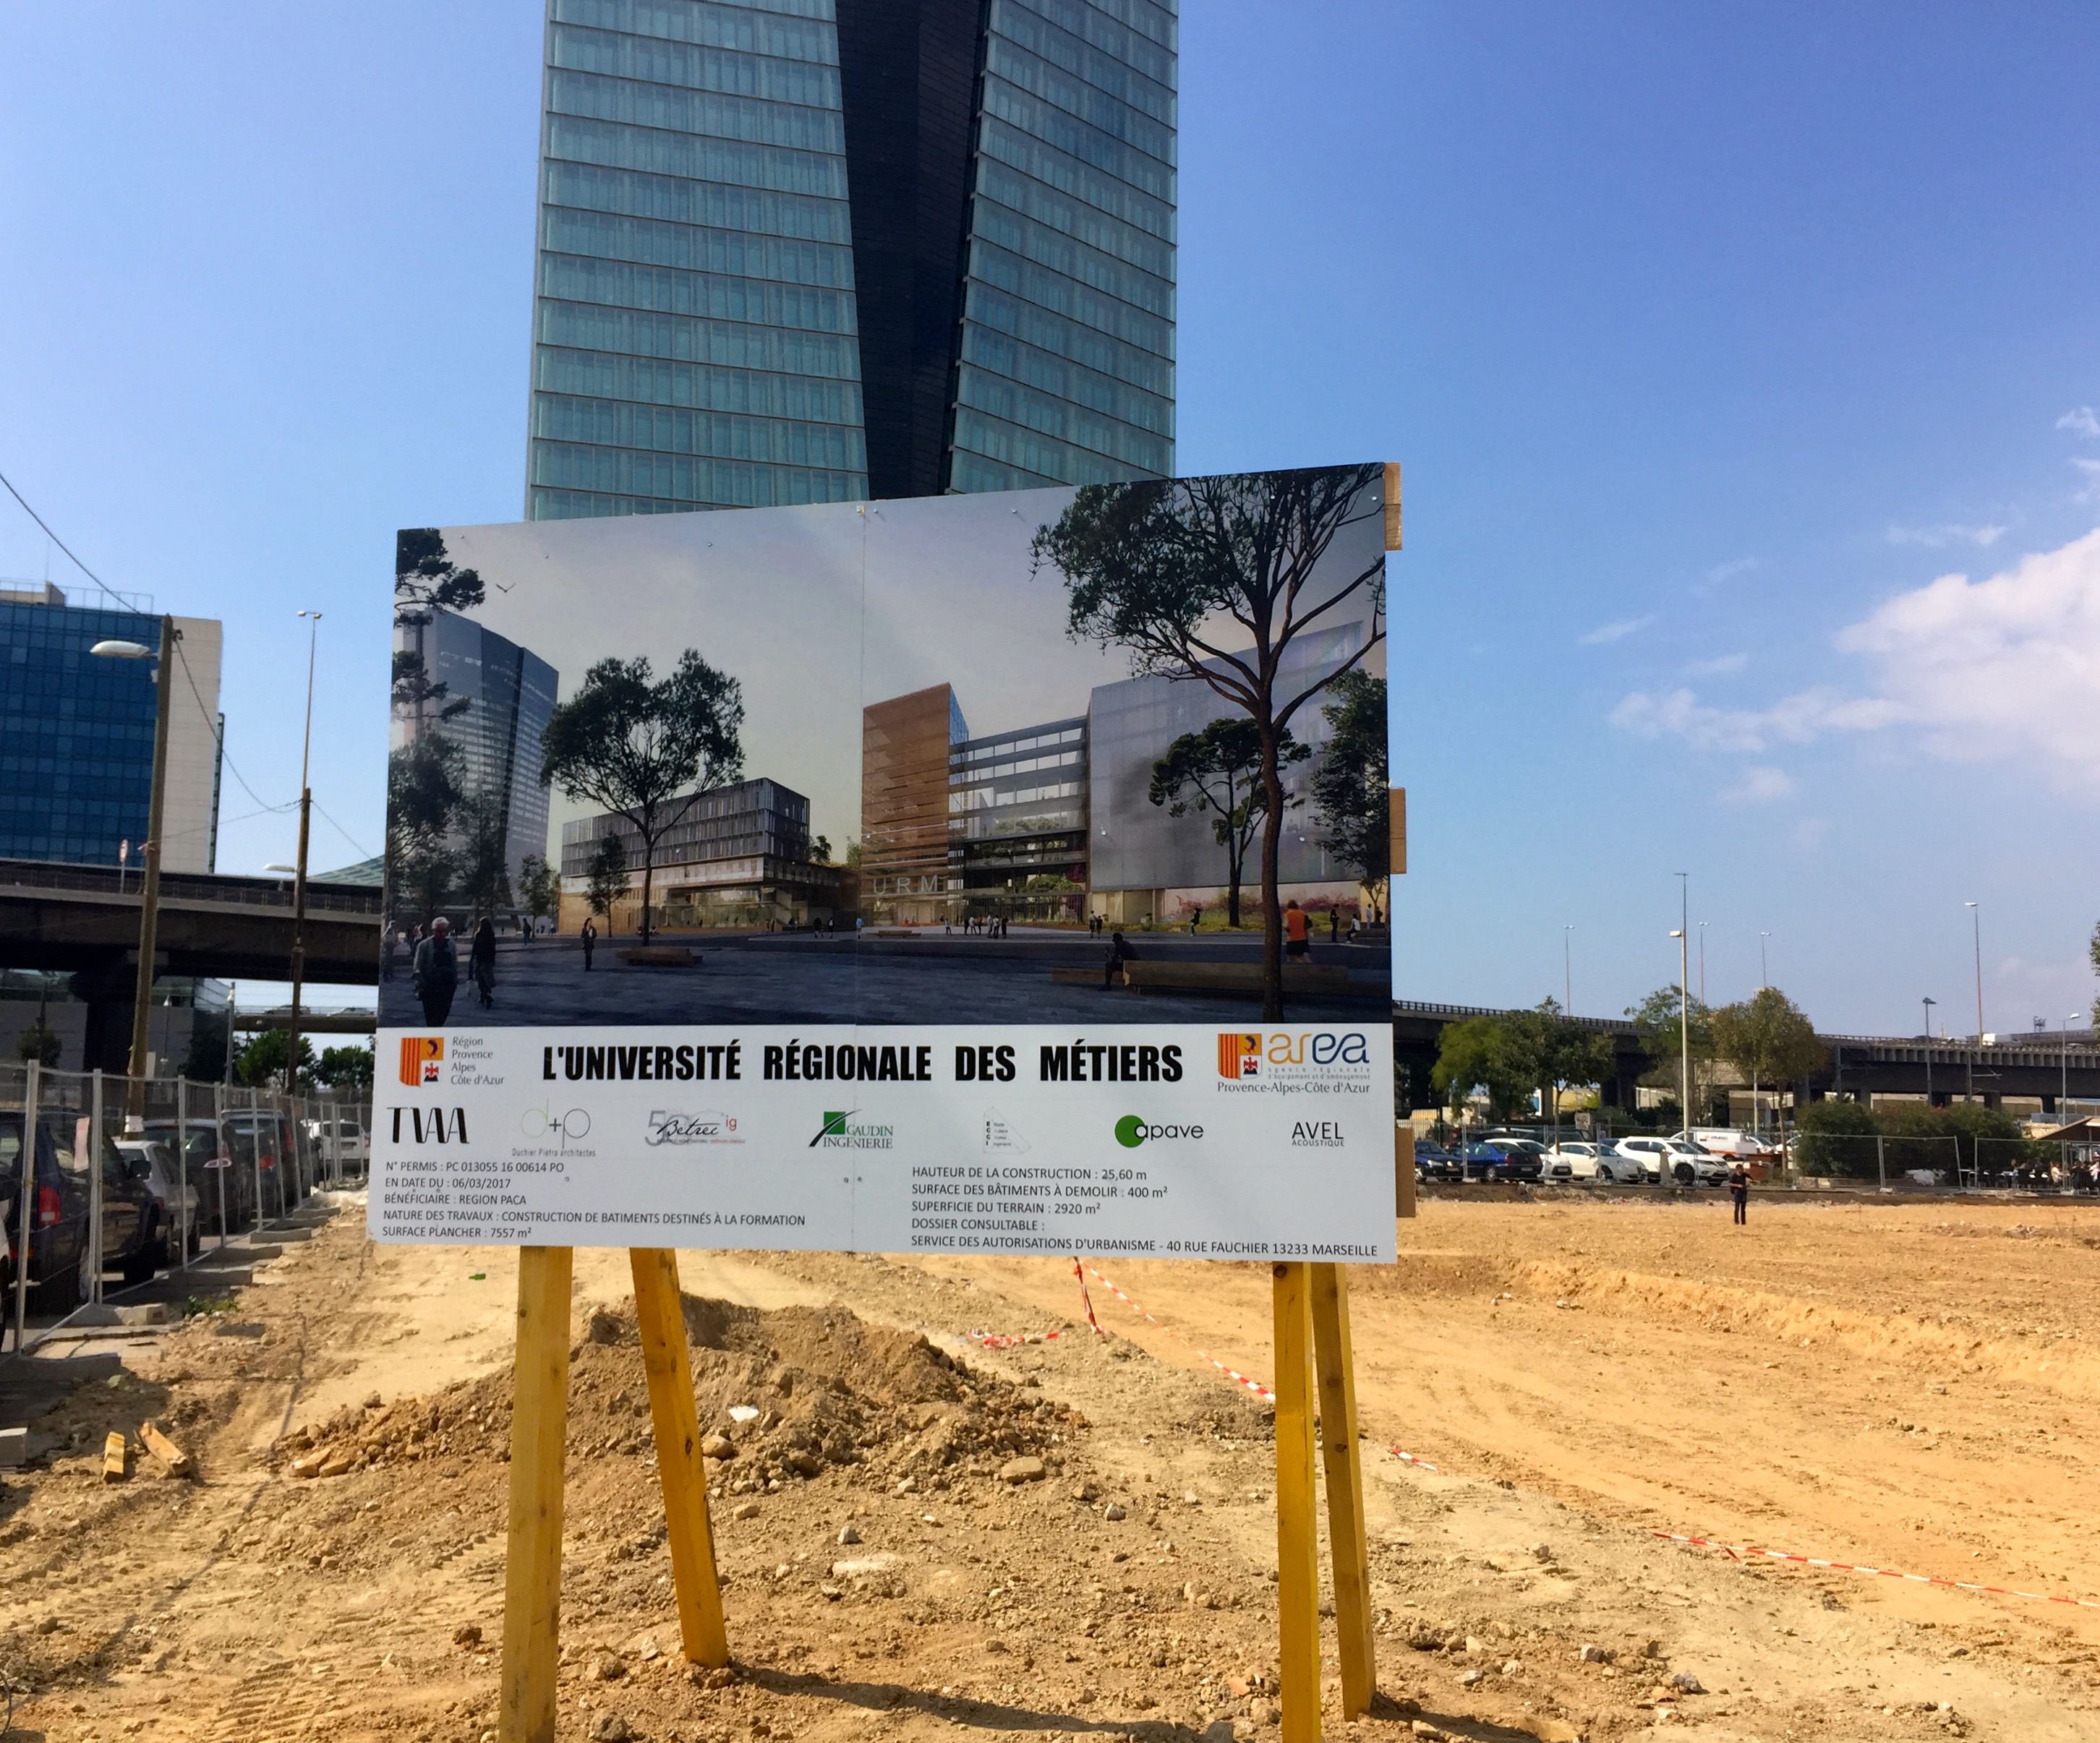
(1396, 833)
(1342, 1462)
(115, 1451)
(1403, 1170)
(533, 1563)
(1297, 1522)
(669, 1364)
(1392, 505)
(177, 1461)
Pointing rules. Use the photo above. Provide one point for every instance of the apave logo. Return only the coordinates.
(669, 1126)
(839, 1131)
(422, 1058)
(1131, 1131)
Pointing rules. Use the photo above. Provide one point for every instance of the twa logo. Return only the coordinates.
(1239, 1056)
(431, 1125)
(421, 1058)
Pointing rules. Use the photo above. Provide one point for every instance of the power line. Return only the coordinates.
(61, 543)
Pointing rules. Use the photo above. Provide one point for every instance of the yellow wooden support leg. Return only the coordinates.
(1297, 1521)
(1336, 1366)
(670, 1366)
(532, 1567)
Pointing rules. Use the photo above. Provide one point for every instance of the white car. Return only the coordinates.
(1677, 1159)
(1578, 1160)
(1727, 1142)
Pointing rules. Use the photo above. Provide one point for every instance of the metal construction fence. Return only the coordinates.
(102, 1174)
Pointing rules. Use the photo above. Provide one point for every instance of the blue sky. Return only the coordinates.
(1709, 338)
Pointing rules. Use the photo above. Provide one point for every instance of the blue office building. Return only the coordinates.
(800, 251)
(76, 735)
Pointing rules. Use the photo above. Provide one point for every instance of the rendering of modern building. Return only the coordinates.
(739, 856)
(76, 735)
(508, 693)
(1056, 821)
(795, 251)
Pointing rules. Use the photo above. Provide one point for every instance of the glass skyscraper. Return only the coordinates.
(816, 250)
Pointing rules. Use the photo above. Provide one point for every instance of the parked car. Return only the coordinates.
(1728, 1142)
(1674, 1160)
(178, 1204)
(344, 1138)
(1433, 1161)
(1502, 1158)
(227, 1192)
(61, 1212)
(1584, 1161)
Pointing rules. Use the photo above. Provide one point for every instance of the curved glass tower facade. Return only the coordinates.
(815, 250)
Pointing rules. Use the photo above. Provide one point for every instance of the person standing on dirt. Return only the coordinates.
(1739, 1189)
(588, 938)
(481, 960)
(437, 972)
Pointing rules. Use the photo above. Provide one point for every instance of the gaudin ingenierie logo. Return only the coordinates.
(422, 1058)
(841, 1131)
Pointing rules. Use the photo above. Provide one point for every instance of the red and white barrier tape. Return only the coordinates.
(1740, 1551)
(995, 1341)
(1746, 1552)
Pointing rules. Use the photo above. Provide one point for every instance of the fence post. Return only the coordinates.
(222, 1154)
(24, 1220)
(182, 1166)
(1882, 1160)
(255, 1152)
(92, 1259)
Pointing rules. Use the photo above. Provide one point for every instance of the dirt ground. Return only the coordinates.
(1908, 1386)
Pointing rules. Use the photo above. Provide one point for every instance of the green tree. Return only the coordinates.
(1155, 568)
(1654, 1018)
(426, 581)
(629, 746)
(1835, 1137)
(422, 793)
(484, 875)
(1479, 1054)
(1550, 1051)
(1766, 1038)
(1218, 770)
(262, 1060)
(39, 1041)
(1352, 803)
(606, 878)
(539, 888)
(345, 1068)
(820, 850)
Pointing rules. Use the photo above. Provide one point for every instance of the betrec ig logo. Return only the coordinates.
(1130, 1131)
(669, 1126)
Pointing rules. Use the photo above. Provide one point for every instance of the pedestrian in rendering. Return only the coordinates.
(1119, 952)
(1195, 920)
(1739, 1189)
(1334, 926)
(1297, 930)
(387, 955)
(481, 960)
(437, 972)
(589, 937)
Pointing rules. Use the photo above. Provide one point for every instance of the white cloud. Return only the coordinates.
(1947, 533)
(1727, 571)
(1713, 668)
(1799, 718)
(2009, 665)
(1617, 631)
(2080, 421)
(1761, 785)
(2091, 469)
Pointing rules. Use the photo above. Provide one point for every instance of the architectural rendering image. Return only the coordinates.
(1010, 753)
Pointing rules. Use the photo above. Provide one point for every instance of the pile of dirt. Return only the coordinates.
(781, 1396)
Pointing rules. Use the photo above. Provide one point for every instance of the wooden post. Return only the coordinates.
(1403, 1170)
(1346, 1547)
(539, 1426)
(661, 1316)
(1297, 1524)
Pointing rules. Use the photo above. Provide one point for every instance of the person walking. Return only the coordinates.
(437, 972)
(1334, 926)
(391, 948)
(1739, 1189)
(1297, 930)
(1119, 952)
(589, 937)
(481, 960)
(1195, 920)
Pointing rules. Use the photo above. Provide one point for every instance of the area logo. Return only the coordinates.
(839, 1131)
(668, 1126)
(1131, 1131)
(1242, 1055)
(421, 1058)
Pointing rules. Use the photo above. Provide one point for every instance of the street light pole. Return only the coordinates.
(1682, 935)
(149, 896)
(299, 876)
(1702, 962)
(1764, 963)
(1929, 1004)
(1568, 968)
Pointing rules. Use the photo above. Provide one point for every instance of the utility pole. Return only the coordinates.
(1684, 987)
(299, 876)
(1929, 1004)
(1702, 962)
(1764, 963)
(1568, 969)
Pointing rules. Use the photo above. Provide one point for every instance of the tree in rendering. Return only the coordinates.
(1218, 770)
(426, 580)
(1181, 573)
(539, 890)
(604, 877)
(1352, 802)
(629, 746)
(1768, 1039)
(422, 794)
